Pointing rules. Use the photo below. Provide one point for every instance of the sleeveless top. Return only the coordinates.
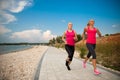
(70, 37)
(91, 35)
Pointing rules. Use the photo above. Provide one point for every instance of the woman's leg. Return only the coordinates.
(94, 57)
(84, 62)
(67, 47)
(72, 49)
(94, 63)
(88, 56)
(91, 48)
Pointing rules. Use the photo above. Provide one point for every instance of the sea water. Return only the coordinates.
(11, 48)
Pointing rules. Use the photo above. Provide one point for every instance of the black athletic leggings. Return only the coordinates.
(70, 50)
(91, 48)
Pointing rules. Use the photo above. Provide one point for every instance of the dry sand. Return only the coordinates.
(21, 65)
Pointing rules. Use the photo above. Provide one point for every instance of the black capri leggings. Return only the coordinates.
(91, 48)
(70, 50)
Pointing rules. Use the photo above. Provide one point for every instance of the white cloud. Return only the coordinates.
(14, 6)
(4, 30)
(64, 21)
(48, 35)
(18, 7)
(7, 7)
(114, 25)
(6, 18)
(29, 35)
(34, 35)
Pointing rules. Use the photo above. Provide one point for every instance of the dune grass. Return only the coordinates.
(108, 54)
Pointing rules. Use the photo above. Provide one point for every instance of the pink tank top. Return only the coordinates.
(70, 37)
(91, 36)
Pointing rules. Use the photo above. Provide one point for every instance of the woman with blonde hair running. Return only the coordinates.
(69, 37)
(91, 31)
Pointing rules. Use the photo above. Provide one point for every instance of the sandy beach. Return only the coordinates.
(21, 65)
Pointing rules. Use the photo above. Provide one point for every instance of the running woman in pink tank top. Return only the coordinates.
(91, 31)
(69, 37)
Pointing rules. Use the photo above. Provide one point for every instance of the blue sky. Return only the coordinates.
(40, 20)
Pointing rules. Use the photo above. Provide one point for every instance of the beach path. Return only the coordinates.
(52, 67)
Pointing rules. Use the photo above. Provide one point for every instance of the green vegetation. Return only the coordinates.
(106, 34)
(81, 49)
(83, 52)
(79, 37)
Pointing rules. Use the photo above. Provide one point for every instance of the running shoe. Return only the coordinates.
(67, 65)
(84, 64)
(97, 72)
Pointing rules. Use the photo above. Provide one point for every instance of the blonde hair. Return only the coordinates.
(69, 23)
(89, 21)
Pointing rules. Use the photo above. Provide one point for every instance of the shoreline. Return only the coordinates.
(12, 51)
(21, 64)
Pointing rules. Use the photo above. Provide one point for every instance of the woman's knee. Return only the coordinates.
(70, 57)
(94, 56)
(88, 56)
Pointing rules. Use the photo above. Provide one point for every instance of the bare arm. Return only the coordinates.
(63, 37)
(83, 34)
(75, 38)
(98, 32)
